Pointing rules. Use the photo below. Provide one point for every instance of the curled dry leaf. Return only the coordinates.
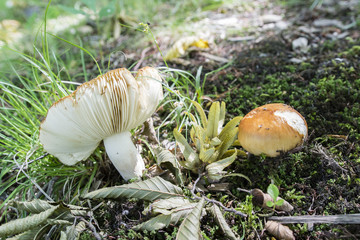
(180, 46)
(260, 199)
(279, 231)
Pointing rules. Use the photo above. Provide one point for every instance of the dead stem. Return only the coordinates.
(212, 200)
(92, 228)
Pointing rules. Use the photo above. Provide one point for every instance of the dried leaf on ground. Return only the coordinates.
(190, 227)
(280, 231)
(181, 45)
(216, 212)
(166, 159)
(168, 216)
(260, 199)
(24, 224)
(150, 190)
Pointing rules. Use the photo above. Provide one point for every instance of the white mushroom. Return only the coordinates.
(272, 129)
(105, 108)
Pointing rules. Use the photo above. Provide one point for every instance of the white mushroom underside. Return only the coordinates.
(113, 103)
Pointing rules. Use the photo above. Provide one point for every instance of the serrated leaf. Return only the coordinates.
(73, 232)
(166, 204)
(216, 212)
(82, 213)
(38, 205)
(58, 222)
(191, 158)
(190, 227)
(167, 159)
(150, 190)
(227, 140)
(201, 112)
(229, 126)
(34, 206)
(215, 169)
(213, 120)
(24, 224)
(63, 236)
(30, 234)
(164, 220)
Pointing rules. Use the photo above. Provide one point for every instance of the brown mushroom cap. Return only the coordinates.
(272, 129)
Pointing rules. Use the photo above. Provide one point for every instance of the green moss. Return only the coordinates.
(325, 90)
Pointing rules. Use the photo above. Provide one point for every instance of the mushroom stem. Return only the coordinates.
(124, 155)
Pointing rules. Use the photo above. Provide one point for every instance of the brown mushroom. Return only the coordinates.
(272, 129)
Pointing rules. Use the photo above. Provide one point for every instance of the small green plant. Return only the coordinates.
(211, 140)
(273, 191)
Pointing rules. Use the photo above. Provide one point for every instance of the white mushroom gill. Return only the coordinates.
(105, 108)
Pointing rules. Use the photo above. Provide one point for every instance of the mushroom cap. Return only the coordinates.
(109, 104)
(272, 129)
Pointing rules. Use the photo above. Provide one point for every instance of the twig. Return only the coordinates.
(243, 190)
(212, 200)
(143, 55)
(92, 228)
(334, 219)
(24, 167)
(35, 183)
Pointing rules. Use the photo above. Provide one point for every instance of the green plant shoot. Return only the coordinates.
(273, 191)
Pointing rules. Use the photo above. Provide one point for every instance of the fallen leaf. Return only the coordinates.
(279, 231)
(181, 45)
(260, 199)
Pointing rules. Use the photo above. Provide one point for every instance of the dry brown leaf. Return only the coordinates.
(181, 45)
(260, 199)
(279, 231)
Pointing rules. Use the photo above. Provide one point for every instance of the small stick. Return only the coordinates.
(92, 228)
(214, 201)
(334, 219)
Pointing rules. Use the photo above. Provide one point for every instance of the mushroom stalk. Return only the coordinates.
(124, 155)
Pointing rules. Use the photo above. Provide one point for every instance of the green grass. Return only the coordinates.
(27, 91)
